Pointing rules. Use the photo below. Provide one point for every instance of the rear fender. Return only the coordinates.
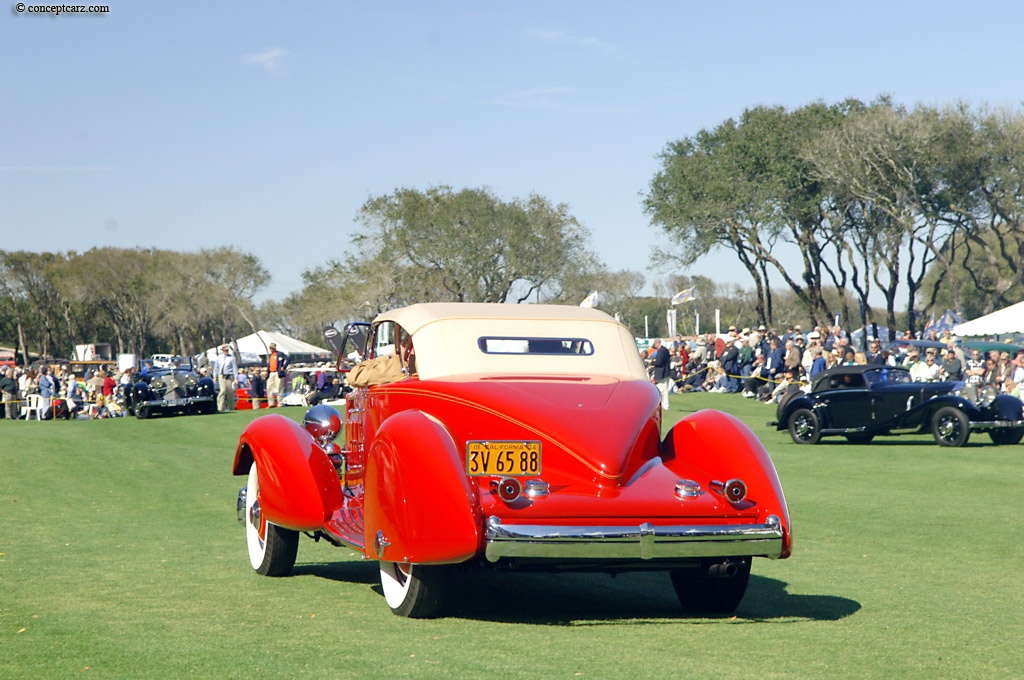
(1008, 407)
(299, 487)
(724, 448)
(419, 506)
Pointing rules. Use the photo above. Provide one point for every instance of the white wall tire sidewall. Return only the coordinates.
(257, 546)
(396, 588)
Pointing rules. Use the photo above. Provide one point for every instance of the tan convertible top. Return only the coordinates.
(447, 335)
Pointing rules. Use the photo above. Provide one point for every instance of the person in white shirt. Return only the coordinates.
(1018, 368)
(226, 369)
(927, 370)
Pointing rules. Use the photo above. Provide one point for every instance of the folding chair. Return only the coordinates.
(33, 404)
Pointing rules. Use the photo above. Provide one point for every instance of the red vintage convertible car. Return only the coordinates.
(510, 437)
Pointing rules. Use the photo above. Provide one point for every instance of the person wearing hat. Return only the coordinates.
(225, 368)
(831, 339)
(730, 364)
(700, 353)
(94, 385)
(818, 363)
(746, 357)
(9, 388)
(258, 387)
(277, 370)
(952, 368)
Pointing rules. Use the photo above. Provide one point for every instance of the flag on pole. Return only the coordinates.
(948, 320)
(591, 300)
(683, 296)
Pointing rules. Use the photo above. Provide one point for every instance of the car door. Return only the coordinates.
(888, 404)
(847, 407)
(892, 397)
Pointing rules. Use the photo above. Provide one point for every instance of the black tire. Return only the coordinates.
(272, 549)
(950, 427)
(804, 427)
(860, 438)
(715, 589)
(1006, 436)
(416, 591)
(142, 412)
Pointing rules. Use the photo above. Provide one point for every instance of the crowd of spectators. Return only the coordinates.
(93, 394)
(758, 363)
(762, 364)
(54, 391)
(60, 391)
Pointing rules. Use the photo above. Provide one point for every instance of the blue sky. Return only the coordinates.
(266, 125)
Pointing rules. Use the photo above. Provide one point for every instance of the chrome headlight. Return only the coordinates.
(979, 395)
(323, 423)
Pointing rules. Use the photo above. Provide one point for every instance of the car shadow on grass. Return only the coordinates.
(888, 441)
(355, 571)
(573, 599)
(637, 597)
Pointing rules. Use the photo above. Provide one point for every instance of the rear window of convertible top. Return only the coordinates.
(534, 346)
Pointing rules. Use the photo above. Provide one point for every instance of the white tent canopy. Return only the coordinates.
(1009, 320)
(253, 348)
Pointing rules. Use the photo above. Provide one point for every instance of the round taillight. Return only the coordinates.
(509, 489)
(735, 491)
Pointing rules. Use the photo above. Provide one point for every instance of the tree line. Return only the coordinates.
(142, 301)
(866, 198)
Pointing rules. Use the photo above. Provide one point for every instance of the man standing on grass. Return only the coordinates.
(47, 387)
(662, 371)
(9, 388)
(225, 368)
(277, 370)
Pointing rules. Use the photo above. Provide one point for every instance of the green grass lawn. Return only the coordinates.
(120, 556)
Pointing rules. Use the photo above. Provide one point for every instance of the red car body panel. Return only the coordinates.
(602, 457)
(416, 494)
(721, 446)
(298, 485)
(593, 421)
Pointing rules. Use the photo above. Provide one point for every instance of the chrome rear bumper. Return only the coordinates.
(644, 541)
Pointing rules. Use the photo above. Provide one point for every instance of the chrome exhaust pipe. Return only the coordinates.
(726, 569)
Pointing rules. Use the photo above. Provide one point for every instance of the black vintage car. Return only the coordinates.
(170, 390)
(860, 402)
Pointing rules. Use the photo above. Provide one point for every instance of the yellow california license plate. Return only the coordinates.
(504, 458)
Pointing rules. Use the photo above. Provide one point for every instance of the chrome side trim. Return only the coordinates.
(980, 426)
(643, 542)
(183, 401)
